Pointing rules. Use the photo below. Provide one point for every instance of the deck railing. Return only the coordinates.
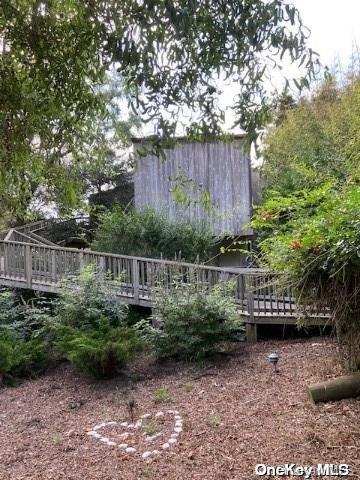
(42, 267)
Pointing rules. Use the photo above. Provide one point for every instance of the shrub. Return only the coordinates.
(9, 308)
(6, 353)
(90, 328)
(147, 233)
(102, 352)
(26, 319)
(317, 251)
(84, 300)
(309, 223)
(19, 358)
(162, 395)
(31, 358)
(193, 321)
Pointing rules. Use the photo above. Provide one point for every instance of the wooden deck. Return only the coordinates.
(27, 260)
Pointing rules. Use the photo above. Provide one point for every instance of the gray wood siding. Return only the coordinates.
(223, 169)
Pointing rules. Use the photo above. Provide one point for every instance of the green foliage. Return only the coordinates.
(320, 235)
(162, 395)
(20, 358)
(100, 352)
(214, 421)
(90, 330)
(147, 233)
(317, 141)
(86, 299)
(9, 307)
(193, 321)
(31, 358)
(54, 57)
(6, 352)
(150, 427)
(27, 319)
(312, 235)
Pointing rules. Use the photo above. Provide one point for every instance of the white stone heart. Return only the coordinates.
(148, 439)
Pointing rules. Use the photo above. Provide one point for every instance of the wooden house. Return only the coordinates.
(200, 181)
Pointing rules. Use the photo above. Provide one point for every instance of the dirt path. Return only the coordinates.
(235, 416)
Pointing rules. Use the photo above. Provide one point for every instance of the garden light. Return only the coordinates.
(273, 359)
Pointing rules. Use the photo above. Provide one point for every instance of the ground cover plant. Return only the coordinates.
(100, 352)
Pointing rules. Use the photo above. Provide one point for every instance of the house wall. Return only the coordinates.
(222, 169)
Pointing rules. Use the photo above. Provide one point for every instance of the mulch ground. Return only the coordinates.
(236, 413)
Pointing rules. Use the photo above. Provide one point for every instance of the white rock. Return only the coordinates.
(146, 455)
(159, 414)
(131, 425)
(130, 450)
(138, 424)
(150, 438)
(172, 440)
(177, 417)
(123, 445)
(96, 435)
(146, 415)
(170, 411)
(165, 446)
(155, 452)
(111, 444)
(178, 423)
(124, 435)
(124, 424)
(178, 429)
(174, 435)
(176, 412)
(111, 423)
(91, 433)
(104, 440)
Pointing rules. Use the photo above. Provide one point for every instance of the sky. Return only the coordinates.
(334, 25)
(335, 33)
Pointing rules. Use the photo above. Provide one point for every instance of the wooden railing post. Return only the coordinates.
(101, 269)
(81, 261)
(28, 266)
(53, 266)
(6, 259)
(135, 279)
(251, 327)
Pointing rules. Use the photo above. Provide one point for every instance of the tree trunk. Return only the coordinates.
(347, 386)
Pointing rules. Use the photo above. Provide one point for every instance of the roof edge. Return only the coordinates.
(225, 138)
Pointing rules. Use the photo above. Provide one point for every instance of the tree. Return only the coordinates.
(104, 167)
(310, 226)
(302, 150)
(54, 55)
